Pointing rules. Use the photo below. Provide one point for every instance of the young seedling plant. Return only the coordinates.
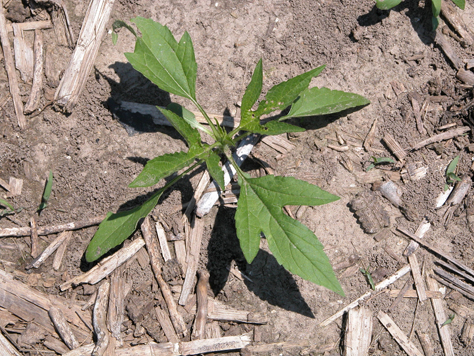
(435, 7)
(171, 65)
(451, 176)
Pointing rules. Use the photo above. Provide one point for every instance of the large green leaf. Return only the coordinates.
(188, 116)
(282, 95)
(294, 246)
(190, 134)
(387, 4)
(116, 228)
(164, 61)
(163, 166)
(436, 7)
(250, 97)
(323, 101)
(460, 3)
(272, 128)
(212, 163)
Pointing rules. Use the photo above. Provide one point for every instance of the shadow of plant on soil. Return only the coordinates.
(270, 281)
(420, 18)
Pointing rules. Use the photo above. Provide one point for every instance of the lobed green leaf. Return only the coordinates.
(294, 246)
(116, 228)
(282, 95)
(323, 101)
(163, 166)
(160, 58)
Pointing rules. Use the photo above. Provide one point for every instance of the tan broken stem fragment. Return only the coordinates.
(226, 343)
(442, 137)
(53, 246)
(62, 327)
(10, 69)
(199, 329)
(46, 230)
(106, 266)
(154, 252)
(83, 57)
(99, 320)
(35, 94)
(6, 348)
(384, 284)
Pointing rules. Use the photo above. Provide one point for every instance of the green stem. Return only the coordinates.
(217, 136)
(177, 178)
(236, 166)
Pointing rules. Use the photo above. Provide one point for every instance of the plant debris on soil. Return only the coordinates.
(399, 239)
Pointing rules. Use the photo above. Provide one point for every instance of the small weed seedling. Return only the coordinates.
(9, 209)
(366, 272)
(377, 161)
(171, 65)
(435, 7)
(46, 193)
(451, 176)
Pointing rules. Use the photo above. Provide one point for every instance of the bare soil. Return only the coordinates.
(94, 158)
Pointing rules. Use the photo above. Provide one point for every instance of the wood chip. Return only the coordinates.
(199, 327)
(47, 230)
(35, 94)
(6, 348)
(192, 258)
(450, 13)
(440, 318)
(426, 344)
(58, 257)
(29, 304)
(279, 143)
(106, 266)
(100, 322)
(166, 325)
(226, 343)
(394, 147)
(382, 285)
(442, 137)
(165, 250)
(116, 308)
(398, 335)
(16, 186)
(437, 251)
(63, 329)
(411, 293)
(10, 69)
(83, 57)
(34, 238)
(53, 246)
(153, 251)
(24, 59)
(448, 50)
(358, 332)
(420, 232)
(419, 283)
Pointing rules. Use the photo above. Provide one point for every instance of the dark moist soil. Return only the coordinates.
(93, 157)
